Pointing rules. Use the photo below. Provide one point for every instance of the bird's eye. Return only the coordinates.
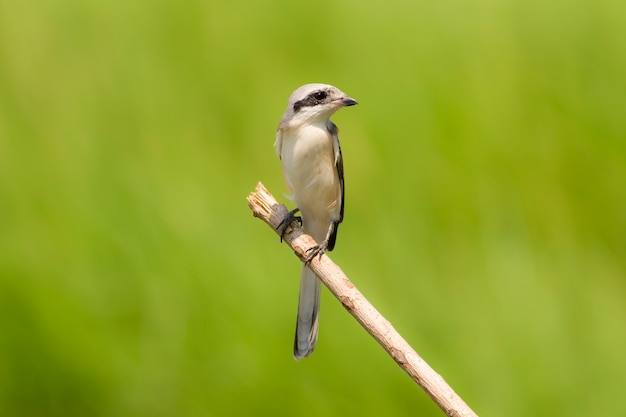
(320, 95)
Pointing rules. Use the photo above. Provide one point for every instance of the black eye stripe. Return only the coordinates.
(313, 99)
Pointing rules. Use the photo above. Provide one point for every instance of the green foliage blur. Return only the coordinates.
(485, 206)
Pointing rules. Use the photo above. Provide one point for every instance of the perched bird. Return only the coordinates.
(308, 146)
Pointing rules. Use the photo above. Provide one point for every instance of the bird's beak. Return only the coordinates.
(347, 101)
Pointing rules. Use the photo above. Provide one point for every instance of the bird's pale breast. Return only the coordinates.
(308, 162)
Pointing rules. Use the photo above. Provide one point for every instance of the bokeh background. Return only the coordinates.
(485, 205)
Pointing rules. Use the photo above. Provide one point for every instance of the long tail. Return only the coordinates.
(308, 310)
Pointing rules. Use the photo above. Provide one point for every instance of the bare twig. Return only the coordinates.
(265, 207)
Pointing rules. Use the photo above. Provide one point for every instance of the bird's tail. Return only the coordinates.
(308, 310)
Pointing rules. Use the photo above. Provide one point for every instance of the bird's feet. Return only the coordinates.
(284, 224)
(317, 250)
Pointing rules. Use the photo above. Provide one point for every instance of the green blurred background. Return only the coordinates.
(485, 206)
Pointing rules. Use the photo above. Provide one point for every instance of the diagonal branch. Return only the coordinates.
(265, 207)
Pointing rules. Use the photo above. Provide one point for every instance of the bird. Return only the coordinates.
(307, 143)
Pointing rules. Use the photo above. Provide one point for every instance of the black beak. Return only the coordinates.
(347, 101)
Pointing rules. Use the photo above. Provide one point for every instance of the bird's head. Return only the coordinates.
(314, 102)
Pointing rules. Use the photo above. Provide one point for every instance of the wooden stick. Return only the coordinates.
(265, 207)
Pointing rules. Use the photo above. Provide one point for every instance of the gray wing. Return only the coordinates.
(332, 128)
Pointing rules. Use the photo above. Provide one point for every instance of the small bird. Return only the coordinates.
(307, 143)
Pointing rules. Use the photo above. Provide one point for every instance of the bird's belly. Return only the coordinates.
(310, 171)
